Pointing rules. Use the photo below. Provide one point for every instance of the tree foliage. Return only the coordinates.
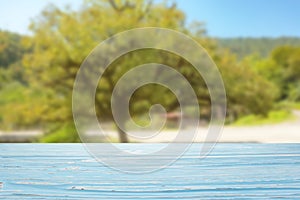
(282, 69)
(63, 38)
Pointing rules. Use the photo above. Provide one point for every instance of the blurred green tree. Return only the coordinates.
(16, 108)
(288, 60)
(282, 69)
(63, 38)
(247, 91)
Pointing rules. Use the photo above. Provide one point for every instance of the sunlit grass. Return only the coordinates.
(296, 105)
(273, 117)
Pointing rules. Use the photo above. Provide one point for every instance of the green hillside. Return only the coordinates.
(263, 46)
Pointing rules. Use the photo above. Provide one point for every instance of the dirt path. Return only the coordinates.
(286, 132)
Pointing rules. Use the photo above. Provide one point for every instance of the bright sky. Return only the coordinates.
(223, 18)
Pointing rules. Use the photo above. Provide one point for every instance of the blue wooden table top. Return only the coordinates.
(67, 171)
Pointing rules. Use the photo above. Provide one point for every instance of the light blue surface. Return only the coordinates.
(67, 171)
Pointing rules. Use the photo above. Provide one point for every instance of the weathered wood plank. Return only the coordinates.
(67, 171)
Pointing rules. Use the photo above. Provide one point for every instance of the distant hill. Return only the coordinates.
(263, 46)
(11, 50)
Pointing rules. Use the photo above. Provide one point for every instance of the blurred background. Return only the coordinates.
(255, 44)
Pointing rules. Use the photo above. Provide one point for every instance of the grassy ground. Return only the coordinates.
(273, 117)
(282, 113)
(296, 105)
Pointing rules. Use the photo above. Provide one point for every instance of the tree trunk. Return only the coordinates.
(122, 135)
(121, 117)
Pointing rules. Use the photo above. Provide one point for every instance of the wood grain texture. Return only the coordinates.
(67, 171)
